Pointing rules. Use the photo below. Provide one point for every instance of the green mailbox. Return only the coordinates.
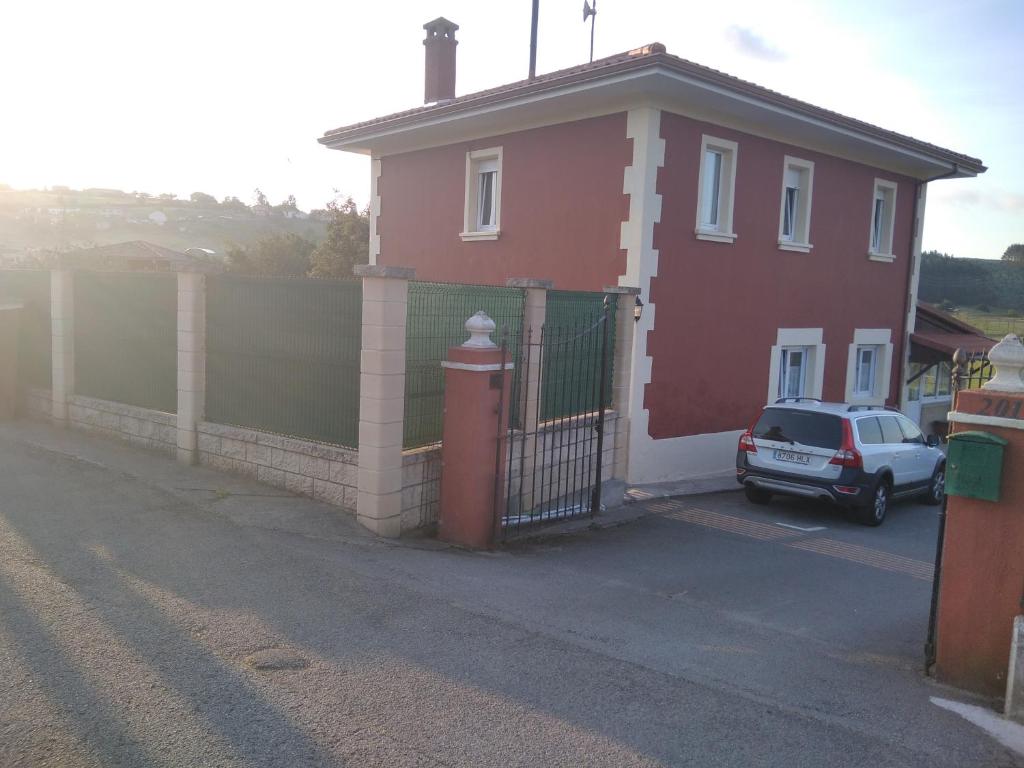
(974, 467)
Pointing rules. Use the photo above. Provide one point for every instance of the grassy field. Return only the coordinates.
(994, 324)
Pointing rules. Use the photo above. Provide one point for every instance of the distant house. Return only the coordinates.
(937, 335)
(775, 244)
(136, 255)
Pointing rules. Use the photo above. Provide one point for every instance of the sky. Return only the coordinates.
(222, 96)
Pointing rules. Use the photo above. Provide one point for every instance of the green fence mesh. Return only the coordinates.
(436, 319)
(126, 338)
(572, 354)
(32, 289)
(283, 356)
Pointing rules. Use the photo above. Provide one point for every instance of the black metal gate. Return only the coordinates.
(554, 444)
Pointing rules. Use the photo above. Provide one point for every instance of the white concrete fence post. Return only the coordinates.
(62, 323)
(382, 397)
(622, 362)
(535, 308)
(191, 362)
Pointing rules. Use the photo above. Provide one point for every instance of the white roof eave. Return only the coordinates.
(659, 87)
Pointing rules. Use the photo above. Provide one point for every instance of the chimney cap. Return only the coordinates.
(441, 27)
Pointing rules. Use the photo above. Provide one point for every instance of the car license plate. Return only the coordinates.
(792, 457)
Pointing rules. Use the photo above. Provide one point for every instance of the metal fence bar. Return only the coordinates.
(35, 335)
(126, 338)
(572, 309)
(283, 356)
(436, 318)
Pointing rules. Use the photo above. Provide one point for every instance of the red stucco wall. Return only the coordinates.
(719, 305)
(561, 208)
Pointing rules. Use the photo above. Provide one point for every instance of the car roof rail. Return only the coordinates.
(874, 408)
(797, 400)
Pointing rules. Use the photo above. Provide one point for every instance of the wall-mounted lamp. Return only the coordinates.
(638, 309)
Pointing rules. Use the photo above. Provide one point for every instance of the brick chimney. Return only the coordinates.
(440, 60)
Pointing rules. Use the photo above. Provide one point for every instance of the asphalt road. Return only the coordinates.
(152, 614)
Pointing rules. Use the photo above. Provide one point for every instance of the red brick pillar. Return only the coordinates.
(982, 583)
(476, 405)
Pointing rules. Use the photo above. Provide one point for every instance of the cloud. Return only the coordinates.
(749, 43)
(996, 200)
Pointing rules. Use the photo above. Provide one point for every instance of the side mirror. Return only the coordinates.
(932, 441)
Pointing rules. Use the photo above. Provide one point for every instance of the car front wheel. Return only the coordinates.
(937, 489)
(873, 513)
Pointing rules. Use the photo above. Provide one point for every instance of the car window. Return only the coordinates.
(869, 431)
(891, 432)
(821, 430)
(911, 434)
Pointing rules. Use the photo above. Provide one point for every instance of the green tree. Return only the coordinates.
(285, 255)
(347, 242)
(202, 198)
(1014, 253)
(234, 203)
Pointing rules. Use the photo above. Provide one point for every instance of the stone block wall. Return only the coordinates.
(421, 487)
(38, 403)
(324, 472)
(142, 427)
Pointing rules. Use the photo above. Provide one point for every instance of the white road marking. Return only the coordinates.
(802, 528)
(1006, 732)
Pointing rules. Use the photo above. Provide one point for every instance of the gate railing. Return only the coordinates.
(554, 464)
(970, 370)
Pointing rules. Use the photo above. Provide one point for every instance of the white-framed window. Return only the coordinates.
(793, 372)
(797, 364)
(716, 189)
(883, 219)
(869, 366)
(482, 219)
(864, 375)
(795, 210)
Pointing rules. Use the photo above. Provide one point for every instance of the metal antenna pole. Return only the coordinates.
(533, 39)
(593, 18)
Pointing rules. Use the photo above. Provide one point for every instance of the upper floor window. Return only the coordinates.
(716, 189)
(795, 211)
(883, 216)
(482, 219)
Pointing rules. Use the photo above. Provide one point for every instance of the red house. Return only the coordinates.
(776, 244)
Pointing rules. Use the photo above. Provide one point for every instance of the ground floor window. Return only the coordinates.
(793, 372)
(867, 357)
(935, 382)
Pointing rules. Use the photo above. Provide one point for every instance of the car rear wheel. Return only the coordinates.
(756, 495)
(873, 513)
(937, 489)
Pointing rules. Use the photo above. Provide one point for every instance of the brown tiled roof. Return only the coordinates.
(648, 56)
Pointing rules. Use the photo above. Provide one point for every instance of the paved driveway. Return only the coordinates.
(157, 615)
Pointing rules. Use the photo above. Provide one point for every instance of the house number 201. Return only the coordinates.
(1001, 407)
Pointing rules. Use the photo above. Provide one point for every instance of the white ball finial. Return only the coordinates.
(480, 328)
(1007, 357)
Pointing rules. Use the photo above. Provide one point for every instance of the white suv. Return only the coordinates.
(852, 455)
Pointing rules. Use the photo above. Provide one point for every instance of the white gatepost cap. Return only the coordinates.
(1007, 357)
(480, 328)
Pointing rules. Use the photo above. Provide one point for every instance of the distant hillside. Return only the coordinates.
(972, 282)
(59, 219)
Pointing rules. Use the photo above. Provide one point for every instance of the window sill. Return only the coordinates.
(715, 237)
(887, 258)
(787, 245)
(492, 235)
